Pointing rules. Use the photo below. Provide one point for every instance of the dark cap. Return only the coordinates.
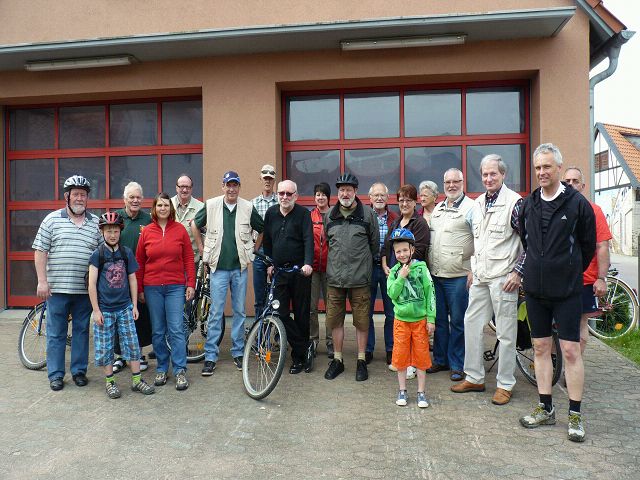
(230, 176)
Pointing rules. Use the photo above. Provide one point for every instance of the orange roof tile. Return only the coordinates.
(610, 19)
(629, 152)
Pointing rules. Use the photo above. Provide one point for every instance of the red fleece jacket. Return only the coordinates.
(165, 258)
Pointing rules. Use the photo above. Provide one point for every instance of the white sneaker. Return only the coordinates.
(401, 401)
(392, 368)
(143, 363)
(411, 373)
(422, 400)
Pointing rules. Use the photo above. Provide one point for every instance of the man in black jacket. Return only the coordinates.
(557, 226)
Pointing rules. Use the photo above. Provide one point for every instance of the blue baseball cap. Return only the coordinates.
(230, 176)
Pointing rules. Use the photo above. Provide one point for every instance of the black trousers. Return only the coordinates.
(295, 289)
(143, 329)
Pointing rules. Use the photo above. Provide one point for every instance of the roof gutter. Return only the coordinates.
(612, 49)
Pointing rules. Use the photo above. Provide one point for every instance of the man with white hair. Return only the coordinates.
(288, 240)
(496, 266)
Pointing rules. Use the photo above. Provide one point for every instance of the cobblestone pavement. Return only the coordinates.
(309, 427)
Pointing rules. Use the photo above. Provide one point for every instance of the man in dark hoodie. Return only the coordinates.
(557, 226)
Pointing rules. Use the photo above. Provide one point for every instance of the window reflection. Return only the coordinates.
(175, 165)
(182, 122)
(92, 168)
(495, 110)
(134, 168)
(430, 163)
(372, 115)
(308, 168)
(428, 114)
(82, 127)
(374, 165)
(32, 180)
(512, 155)
(31, 129)
(133, 124)
(23, 226)
(313, 118)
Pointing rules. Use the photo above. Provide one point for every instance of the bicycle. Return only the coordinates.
(618, 310)
(32, 339)
(265, 348)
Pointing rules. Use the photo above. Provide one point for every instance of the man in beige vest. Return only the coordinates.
(450, 266)
(228, 250)
(186, 207)
(497, 265)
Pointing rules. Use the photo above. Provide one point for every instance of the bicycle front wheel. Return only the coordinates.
(617, 311)
(265, 352)
(525, 360)
(32, 341)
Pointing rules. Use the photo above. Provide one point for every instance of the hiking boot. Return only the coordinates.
(208, 368)
(336, 367)
(181, 381)
(422, 400)
(362, 373)
(411, 373)
(143, 387)
(237, 361)
(112, 390)
(576, 427)
(538, 417)
(161, 379)
(401, 401)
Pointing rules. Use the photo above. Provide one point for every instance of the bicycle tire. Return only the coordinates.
(32, 340)
(618, 311)
(526, 363)
(260, 371)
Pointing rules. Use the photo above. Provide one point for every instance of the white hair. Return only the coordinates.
(549, 148)
(132, 186)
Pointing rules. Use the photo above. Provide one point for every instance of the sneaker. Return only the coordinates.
(181, 380)
(411, 373)
(362, 373)
(161, 379)
(336, 367)
(401, 401)
(208, 368)
(576, 427)
(112, 390)
(538, 417)
(143, 363)
(392, 368)
(143, 387)
(422, 400)
(237, 361)
(118, 364)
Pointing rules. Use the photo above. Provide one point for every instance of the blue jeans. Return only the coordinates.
(379, 278)
(259, 283)
(221, 280)
(452, 299)
(59, 306)
(166, 303)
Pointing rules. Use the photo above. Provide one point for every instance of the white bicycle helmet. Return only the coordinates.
(77, 181)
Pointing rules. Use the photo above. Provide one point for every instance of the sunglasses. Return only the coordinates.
(286, 194)
(268, 172)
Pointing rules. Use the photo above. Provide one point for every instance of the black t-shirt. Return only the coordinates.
(548, 207)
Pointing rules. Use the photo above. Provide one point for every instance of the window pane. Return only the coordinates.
(374, 165)
(175, 165)
(82, 127)
(138, 168)
(312, 167)
(92, 168)
(32, 180)
(133, 124)
(429, 114)
(372, 115)
(313, 118)
(430, 163)
(496, 110)
(182, 122)
(31, 129)
(23, 227)
(512, 155)
(23, 278)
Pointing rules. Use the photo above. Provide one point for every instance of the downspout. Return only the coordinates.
(613, 53)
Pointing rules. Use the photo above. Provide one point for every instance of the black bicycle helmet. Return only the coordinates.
(77, 181)
(347, 179)
(402, 235)
(111, 218)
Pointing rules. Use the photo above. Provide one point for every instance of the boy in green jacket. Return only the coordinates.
(414, 304)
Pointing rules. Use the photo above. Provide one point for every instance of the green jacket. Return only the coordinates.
(413, 297)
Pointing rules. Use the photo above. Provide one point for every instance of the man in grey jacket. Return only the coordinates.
(352, 234)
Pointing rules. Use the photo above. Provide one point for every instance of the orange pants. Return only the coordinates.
(410, 345)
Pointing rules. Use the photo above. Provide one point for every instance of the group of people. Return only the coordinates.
(442, 270)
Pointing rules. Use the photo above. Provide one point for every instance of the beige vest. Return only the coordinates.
(189, 214)
(497, 245)
(215, 231)
(451, 240)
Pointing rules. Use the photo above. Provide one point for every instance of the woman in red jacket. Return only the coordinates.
(166, 278)
(322, 192)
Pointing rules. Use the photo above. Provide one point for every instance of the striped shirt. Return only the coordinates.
(69, 248)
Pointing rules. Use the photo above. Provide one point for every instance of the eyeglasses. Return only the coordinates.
(405, 200)
(268, 172)
(286, 194)
(184, 187)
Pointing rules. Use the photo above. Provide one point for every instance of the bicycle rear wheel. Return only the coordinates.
(526, 364)
(264, 355)
(32, 341)
(618, 311)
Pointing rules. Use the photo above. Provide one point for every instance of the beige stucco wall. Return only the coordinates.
(241, 95)
(33, 21)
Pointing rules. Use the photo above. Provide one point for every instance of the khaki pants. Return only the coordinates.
(359, 298)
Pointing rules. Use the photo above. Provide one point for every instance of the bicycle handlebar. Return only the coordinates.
(270, 263)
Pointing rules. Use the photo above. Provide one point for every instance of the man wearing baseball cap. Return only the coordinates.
(228, 250)
(262, 203)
